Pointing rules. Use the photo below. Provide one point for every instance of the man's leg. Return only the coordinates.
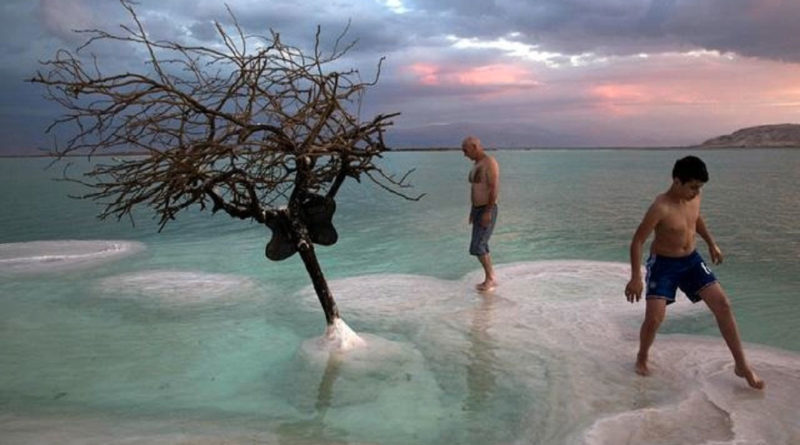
(489, 281)
(720, 306)
(653, 316)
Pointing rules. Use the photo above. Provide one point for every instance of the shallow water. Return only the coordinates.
(191, 335)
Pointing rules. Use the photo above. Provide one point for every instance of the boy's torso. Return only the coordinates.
(675, 232)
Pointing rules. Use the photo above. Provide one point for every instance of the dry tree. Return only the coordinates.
(252, 127)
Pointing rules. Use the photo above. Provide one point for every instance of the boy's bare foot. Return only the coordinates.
(752, 379)
(486, 286)
(641, 365)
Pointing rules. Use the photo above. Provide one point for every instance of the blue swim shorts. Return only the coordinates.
(666, 274)
(479, 245)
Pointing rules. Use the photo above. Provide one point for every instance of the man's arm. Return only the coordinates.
(493, 180)
(713, 248)
(493, 183)
(633, 291)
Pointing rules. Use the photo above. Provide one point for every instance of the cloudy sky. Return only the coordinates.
(514, 72)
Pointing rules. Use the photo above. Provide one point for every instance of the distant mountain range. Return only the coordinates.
(493, 135)
(448, 136)
(520, 135)
(762, 136)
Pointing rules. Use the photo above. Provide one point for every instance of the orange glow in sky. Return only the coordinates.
(496, 75)
(489, 75)
(426, 73)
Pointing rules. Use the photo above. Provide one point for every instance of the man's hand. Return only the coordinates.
(486, 218)
(716, 253)
(633, 291)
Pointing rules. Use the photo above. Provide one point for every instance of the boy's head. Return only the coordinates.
(688, 177)
(690, 168)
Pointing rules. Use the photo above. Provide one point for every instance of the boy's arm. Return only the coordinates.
(713, 248)
(633, 291)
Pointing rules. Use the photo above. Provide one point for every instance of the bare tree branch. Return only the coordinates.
(255, 128)
(227, 127)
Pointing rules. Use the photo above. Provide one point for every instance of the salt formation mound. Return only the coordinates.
(563, 332)
(52, 256)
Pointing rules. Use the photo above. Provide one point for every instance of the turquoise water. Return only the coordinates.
(192, 335)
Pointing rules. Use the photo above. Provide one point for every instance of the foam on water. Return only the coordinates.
(184, 288)
(60, 255)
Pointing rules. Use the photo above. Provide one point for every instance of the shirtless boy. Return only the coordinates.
(674, 262)
(484, 179)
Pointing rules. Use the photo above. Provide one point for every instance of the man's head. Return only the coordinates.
(472, 148)
(688, 176)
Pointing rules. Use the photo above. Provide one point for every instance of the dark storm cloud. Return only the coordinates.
(420, 36)
(756, 28)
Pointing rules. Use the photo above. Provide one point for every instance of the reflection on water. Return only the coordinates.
(325, 391)
(313, 429)
(480, 372)
(481, 364)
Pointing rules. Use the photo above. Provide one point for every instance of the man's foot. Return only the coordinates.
(752, 379)
(641, 365)
(486, 286)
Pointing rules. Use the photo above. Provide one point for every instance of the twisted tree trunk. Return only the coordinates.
(305, 247)
(320, 284)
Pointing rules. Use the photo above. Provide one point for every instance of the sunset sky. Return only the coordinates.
(535, 73)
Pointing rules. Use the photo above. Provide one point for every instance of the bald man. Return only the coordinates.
(484, 179)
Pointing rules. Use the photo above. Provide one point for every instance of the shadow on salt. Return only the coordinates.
(562, 331)
(62, 255)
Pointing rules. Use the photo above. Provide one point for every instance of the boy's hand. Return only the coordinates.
(633, 291)
(716, 254)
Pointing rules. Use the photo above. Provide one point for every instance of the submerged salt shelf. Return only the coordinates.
(184, 288)
(61, 255)
(546, 358)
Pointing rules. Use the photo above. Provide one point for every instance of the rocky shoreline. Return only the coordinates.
(762, 136)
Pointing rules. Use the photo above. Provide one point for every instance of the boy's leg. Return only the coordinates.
(720, 306)
(653, 316)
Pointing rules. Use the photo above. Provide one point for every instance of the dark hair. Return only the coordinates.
(690, 168)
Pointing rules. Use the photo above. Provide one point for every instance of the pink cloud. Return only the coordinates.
(489, 80)
(620, 93)
(505, 75)
(426, 73)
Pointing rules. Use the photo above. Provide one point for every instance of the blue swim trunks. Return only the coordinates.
(479, 245)
(666, 274)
